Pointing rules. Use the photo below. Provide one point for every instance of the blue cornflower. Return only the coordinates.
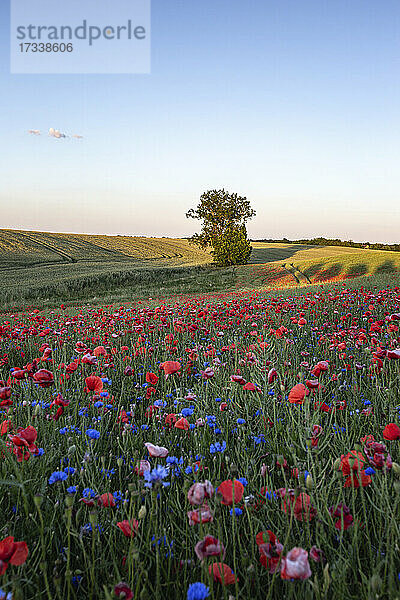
(238, 512)
(197, 591)
(243, 480)
(156, 476)
(93, 434)
(240, 421)
(57, 476)
(370, 471)
(72, 489)
(69, 470)
(218, 447)
(88, 493)
(187, 412)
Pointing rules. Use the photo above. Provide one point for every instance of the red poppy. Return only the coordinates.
(270, 550)
(122, 590)
(93, 384)
(44, 378)
(12, 553)
(151, 378)
(222, 573)
(391, 432)
(129, 528)
(106, 499)
(170, 367)
(298, 393)
(299, 505)
(231, 492)
(182, 423)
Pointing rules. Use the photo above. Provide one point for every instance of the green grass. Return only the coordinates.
(48, 268)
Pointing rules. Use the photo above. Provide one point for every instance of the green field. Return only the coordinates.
(52, 267)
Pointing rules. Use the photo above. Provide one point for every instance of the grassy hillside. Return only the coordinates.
(52, 267)
(35, 248)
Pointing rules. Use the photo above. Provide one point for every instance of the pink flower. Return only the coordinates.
(143, 466)
(295, 565)
(156, 451)
(208, 373)
(199, 492)
(209, 546)
(200, 515)
(317, 554)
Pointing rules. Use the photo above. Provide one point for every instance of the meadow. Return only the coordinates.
(242, 445)
(39, 268)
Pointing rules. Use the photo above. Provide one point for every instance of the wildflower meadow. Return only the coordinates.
(241, 445)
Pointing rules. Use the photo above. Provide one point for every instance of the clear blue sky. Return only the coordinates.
(295, 104)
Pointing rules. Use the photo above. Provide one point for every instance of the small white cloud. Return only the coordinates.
(78, 137)
(34, 131)
(56, 134)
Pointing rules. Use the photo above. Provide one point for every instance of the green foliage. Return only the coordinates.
(223, 217)
(232, 247)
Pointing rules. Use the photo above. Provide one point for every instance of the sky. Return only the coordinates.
(293, 104)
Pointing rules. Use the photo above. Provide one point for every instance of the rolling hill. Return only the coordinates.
(46, 266)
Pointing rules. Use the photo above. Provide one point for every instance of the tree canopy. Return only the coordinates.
(224, 218)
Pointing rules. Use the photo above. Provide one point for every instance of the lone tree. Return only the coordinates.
(224, 218)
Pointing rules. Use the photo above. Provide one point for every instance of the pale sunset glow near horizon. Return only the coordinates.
(295, 105)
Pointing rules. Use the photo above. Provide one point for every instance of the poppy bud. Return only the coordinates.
(71, 449)
(69, 500)
(375, 583)
(396, 486)
(38, 500)
(142, 512)
(120, 462)
(309, 482)
(396, 469)
(336, 464)
(93, 517)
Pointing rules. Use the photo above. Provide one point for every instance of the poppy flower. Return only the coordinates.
(250, 387)
(231, 492)
(391, 432)
(200, 492)
(341, 513)
(25, 438)
(272, 375)
(238, 379)
(170, 367)
(105, 500)
(122, 590)
(143, 466)
(93, 384)
(151, 378)
(320, 367)
(209, 546)
(317, 555)
(270, 550)
(5, 426)
(44, 378)
(182, 423)
(5, 393)
(156, 451)
(300, 505)
(12, 553)
(100, 351)
(200, 515)
(295, 565)
(298, 393)
(128, 528)
(222, 573)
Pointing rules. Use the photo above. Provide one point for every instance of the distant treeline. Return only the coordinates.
(320, 241)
